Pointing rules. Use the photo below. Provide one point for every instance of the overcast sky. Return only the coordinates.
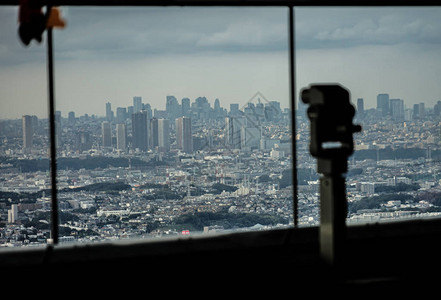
(113, 54)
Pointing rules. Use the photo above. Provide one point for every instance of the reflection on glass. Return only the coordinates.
(169, 128)
(389, 60)
(25, 198)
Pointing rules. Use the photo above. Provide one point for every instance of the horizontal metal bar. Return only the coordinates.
(233, 2)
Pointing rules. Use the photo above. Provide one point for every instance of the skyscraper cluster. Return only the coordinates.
(138, 128)
(390, 107)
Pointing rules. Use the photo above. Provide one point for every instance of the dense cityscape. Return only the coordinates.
(198, 168)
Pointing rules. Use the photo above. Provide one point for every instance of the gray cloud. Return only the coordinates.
(138, 32)
(355, 26)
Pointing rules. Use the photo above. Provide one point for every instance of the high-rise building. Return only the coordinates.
(421, 110)
(437, 108)
(140, 131)
(106, 134)
(58, 129)
(121, 114)
(71, 117)
(397, 109)
(28, 132)
(147, 107)
(233, 127)
(416, 111)
(185, 105)
(13, 214)
(360, 107)
(250, 137)
(121, 136)
(234, 109)
(172, 108)
(164, 135)
(137, 104)
(82, 141)
(184, 137)
(383, 104)
(109, 112)
(154, 133)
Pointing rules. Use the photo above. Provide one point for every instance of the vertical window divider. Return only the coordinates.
(52, 130)
(293, 110)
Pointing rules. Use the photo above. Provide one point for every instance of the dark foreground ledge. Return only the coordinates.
(381, 254)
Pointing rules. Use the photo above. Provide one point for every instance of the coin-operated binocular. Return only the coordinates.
(331, 114)
(331, 142)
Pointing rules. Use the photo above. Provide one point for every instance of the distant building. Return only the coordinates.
(360, 107)
(106, 133)
(121, 136)
(13, 214)
(234, 109)
(367, 187)
(71, 118)
(137, 104)
(153, 133)
(397, 109)
(421, 110)
(184, 137)
(28, 132)
(383, 104)
(185, 106)
(121, 114)
(109, 112)
(233, 127)
(140, 131)
(164, 135)
(172, 108)
(250, 137)
(273, 112)
(83, 141)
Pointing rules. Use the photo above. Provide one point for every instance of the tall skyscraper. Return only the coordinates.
(82, 141)
(106, 134)
(109, 112)
(154, 133)
(71, 117)
(397, 109)
(383, 104)
(121, 136)
(437, 108)
(28, 132)
(140, 131)
(137, 104)
(164, 135)
(13, 214)
(233, 127)
(234, 109)
(185, 105)
(250, 137)
(173, 108)
(360, 107)
(121, 114)
(416, 111)
(184, 137)
(421, 110)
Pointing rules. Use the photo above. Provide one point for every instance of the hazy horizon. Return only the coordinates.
(113, 54)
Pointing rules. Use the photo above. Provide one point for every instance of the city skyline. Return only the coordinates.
(236, 52)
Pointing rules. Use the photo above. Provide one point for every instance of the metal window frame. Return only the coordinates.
(290, 4)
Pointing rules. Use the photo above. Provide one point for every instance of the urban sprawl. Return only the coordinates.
(199, 168)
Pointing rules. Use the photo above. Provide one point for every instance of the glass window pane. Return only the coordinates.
(25, 185)
(389, 60)
(174, 121)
